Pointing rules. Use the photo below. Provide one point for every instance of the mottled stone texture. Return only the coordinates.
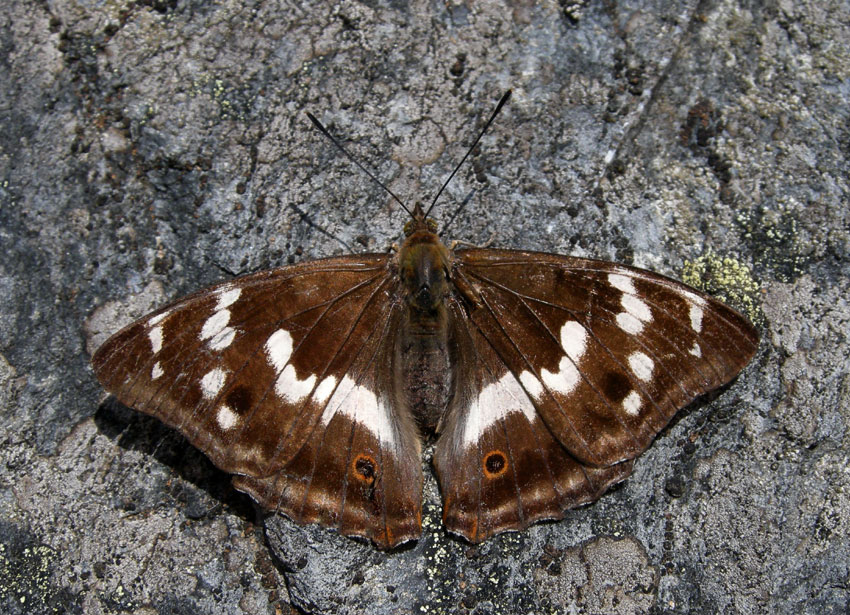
(149, 148)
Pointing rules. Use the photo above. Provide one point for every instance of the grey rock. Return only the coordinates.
(149, 149)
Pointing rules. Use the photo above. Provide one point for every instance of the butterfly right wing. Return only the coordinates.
(562, 381)
(281, 377)
(500, 468)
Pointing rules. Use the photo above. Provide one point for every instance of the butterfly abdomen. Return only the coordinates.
(425, 372)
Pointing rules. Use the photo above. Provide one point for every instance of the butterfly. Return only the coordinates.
(540, 376)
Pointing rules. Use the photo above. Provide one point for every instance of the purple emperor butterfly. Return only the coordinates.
(541, 376)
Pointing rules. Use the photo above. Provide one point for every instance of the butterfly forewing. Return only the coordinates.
(607, 353)
(259, 371)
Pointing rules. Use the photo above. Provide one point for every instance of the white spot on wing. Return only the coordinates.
(155, 336)
(632, 403)
(214, 324)
(531, 384)
(636, 307)
(324, 390)
(574, 339)
(345, 387)
(696, 317)
(279, 348)
(227, 295)
(212, 382)
(226, 417)
(494, 402)
(574, 345)
(360, 404)
(290, 388)
(636, 312)
(159, 318)
(622, 283)
(641, 365)
(629, 323)
(696, 350)
(564, 380)
(156, 372)
(223, 338)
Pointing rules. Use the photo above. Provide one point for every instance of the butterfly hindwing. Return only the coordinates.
(257, 372)
(499, 466)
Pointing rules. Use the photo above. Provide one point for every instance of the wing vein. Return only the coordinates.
(668, 284)
(564, 501)
(480, 361)
(354, 426)
(188, 329)
(371, 334)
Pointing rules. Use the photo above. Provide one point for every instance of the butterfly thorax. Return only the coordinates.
(423, 355)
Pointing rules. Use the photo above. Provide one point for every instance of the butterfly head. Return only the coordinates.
(419, 222)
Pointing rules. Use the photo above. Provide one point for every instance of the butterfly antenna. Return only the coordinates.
(351, 157)
(501, 104)
(306, 219)
(448, 224)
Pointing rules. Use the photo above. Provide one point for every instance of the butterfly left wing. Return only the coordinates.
(281, 377)
(591, 358)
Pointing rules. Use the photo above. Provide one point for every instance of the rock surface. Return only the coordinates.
(151, 148)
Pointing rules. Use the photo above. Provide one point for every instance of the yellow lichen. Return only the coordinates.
(727, 279)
